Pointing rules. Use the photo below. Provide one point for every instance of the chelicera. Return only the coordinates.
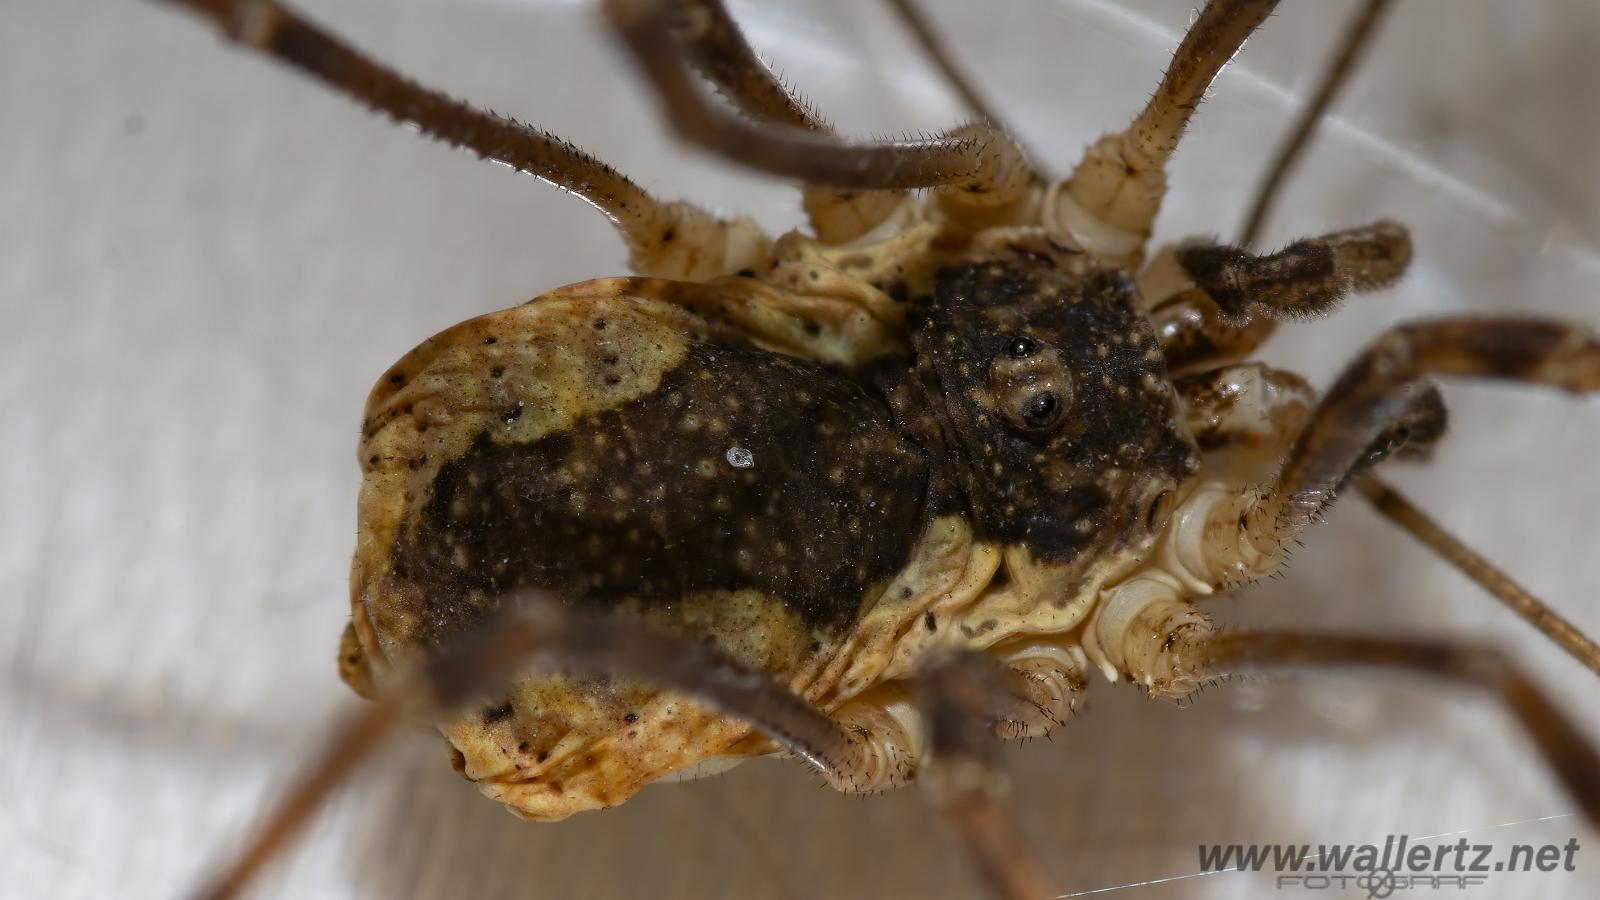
(871, 492)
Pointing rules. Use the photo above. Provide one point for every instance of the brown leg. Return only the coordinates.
(1307, 278)
(960, 694)
(1356, 38)
(864, 749)
(1111, 200)
(971, 161)
(1535, 612)
(939, 56)
(1236, 296)
(1389, 502)
(1565, 749)
(1371, 407)
(647, 224)
(717, 49)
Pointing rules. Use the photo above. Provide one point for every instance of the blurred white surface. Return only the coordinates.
(205, 260)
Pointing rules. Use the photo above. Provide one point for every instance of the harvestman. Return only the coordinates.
(965, 336)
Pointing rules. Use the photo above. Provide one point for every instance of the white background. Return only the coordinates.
(205, 261)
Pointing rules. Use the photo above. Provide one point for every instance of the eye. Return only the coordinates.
(1022, 347)
(1041, 410)
(1031, 386)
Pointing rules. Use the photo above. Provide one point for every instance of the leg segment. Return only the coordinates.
(717, 49)
(959, 694)
(1233, 298)
(1307, 278)
(1535, 612)
(1369, 408)
(1565, 749)
(1111, 200)
(866, 747)
(705, 246)
(1333, 79)
(939, 56)
(973, 162)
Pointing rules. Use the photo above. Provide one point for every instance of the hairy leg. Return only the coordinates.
(1356, 422)
(717, 49)
(671, 240)
(1110, 201)
(1388, 502)
(1227, 299)
(864, 747)
(975, 161)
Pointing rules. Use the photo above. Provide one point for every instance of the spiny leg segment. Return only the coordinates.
(665, 239)
(715, 46)
(978, 165)
(938, 54)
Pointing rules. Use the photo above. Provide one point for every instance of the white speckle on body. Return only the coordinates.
(740, 458)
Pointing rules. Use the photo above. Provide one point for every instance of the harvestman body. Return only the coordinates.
(872, 493)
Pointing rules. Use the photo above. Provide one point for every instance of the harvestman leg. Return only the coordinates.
(1238, 296)
(1201, 336)
(1378, 389)
(717, 49)
(1564, 748)
(963, 696)
(1112, 198)
(939, 55)
(1389, 502)
(972, 161)
(1403, 512)
(665, 239)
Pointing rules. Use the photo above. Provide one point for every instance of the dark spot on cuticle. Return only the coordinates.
(493, 714)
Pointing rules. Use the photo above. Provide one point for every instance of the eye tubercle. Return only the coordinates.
(1030, 384)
